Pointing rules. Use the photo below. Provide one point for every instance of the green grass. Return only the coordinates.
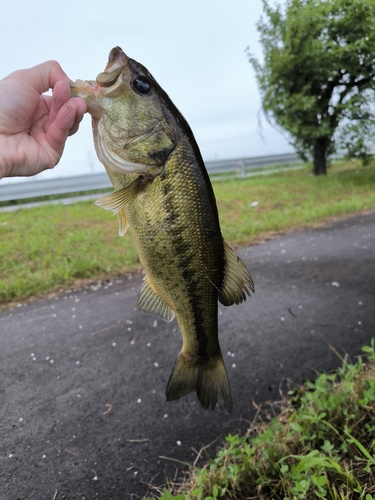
(320, 445)
(292, 200)
(52, 246)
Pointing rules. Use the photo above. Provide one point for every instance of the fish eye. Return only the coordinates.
(142, 84)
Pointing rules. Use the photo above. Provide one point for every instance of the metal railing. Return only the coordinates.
(90, 182)
(241, 165)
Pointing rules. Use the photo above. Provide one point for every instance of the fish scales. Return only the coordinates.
(180, 247)
(163, 193)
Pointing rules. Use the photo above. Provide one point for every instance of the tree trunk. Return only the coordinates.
(320, 160)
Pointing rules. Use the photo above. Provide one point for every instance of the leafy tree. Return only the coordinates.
(317, 80)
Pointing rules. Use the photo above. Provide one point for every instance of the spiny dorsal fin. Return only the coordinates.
(122, 222)
(117, 200)
(237, 280)
(150, 302)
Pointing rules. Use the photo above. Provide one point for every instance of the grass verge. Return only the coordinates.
(292, 200)
(51, 246)
(320, 445)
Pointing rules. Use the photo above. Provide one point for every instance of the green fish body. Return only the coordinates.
(163, 193)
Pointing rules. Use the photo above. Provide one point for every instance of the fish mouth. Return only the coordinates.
(117, 61)
(90, 89)
(82, 88)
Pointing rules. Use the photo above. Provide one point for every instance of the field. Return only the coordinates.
(51, 246)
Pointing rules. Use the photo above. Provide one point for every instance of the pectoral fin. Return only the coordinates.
(117, 200)
(150, 302)
(237, 280)
(122, 222)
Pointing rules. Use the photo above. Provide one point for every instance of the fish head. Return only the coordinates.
(132, 132)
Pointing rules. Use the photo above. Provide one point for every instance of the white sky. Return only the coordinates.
(194, 48)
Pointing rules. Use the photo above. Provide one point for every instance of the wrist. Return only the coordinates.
(2, 167)
(11, 159)
(6, 157)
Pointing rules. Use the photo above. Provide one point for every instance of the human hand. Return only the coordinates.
(33, 126)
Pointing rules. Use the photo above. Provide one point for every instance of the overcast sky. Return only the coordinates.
(194, 48)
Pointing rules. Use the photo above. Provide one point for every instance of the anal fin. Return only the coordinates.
(150, 302)
(237, 280)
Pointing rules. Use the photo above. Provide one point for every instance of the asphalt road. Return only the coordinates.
(82, 376)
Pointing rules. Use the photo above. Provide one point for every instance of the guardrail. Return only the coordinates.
(47, 187)
(89, 182)
(241, 165)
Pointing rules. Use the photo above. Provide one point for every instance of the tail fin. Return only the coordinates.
(208, 378)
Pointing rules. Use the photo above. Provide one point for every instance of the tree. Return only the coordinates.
(317, 81)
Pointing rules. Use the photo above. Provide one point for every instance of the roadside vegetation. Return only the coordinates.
(319, 443)
(52, 246)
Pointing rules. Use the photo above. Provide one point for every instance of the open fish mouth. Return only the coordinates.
(82, 88)
(89, 90)
(117, 60)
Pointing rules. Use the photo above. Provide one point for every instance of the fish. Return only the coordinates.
(163, 193)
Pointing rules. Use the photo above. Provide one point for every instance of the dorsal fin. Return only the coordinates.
(237, 280)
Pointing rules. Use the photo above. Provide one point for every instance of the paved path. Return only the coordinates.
(82, 376)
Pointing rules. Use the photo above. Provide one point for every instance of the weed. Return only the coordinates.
(320, 445)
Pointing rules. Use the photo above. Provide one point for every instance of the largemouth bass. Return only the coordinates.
(163, 193)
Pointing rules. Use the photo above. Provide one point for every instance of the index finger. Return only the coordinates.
(43, 76)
